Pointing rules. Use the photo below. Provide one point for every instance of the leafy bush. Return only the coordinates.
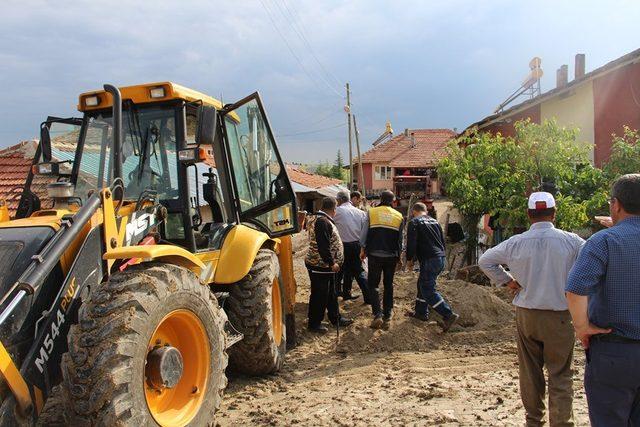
(486, 173)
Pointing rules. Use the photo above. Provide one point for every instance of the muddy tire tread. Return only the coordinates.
(98, 367)
(248, 310)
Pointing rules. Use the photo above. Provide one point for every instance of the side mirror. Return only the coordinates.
(45, 142)
(207, 118)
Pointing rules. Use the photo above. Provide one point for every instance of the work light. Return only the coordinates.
(91, 101)
(156, 92)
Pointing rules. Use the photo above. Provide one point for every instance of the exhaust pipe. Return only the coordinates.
(117, 129)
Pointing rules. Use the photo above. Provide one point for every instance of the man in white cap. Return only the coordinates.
(539, 262)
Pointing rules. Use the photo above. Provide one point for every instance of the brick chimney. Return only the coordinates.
(406, 131)
(562, 76)
(579, 68)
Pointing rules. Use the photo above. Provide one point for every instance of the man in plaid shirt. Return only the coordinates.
(603, 292)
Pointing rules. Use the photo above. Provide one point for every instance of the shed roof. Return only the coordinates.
(309, 179)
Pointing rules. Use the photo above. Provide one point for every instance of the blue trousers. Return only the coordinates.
(612, 383)
(430, 268)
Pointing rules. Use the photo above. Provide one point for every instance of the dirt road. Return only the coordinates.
(409, 375)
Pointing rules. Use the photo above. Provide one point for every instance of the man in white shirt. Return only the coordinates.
(539, 262)
(350, 221)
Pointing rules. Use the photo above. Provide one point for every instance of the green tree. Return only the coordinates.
(480, 175)
(486, 173)
(337, 170)
(624, 158)
(551, 155)
(324, 169)
(625, 155)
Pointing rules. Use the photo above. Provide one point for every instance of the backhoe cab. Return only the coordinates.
(160, 246)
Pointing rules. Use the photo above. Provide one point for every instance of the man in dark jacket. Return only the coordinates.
(425, 242)
(323, 261)
(381, 243)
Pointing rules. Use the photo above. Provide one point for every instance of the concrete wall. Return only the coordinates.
(573, 109)
(616, 103)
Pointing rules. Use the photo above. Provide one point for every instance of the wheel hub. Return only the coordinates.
(164, 367)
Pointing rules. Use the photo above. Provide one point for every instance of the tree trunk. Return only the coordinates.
(470, 223)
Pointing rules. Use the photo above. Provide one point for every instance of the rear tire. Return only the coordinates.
(104, 370)
(256, 308)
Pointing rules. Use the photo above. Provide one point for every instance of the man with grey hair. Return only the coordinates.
(603, 292)
(323, 262)
(350, 222)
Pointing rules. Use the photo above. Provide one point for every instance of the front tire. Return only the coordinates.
(256, 308)
(145, 309)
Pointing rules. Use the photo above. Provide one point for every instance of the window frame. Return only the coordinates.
(253, 215)
(378, 174)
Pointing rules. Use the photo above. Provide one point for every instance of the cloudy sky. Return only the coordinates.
(419, 64)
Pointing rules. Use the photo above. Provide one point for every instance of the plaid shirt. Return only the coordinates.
(608, 271)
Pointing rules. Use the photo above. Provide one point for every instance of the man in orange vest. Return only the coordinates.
(381, 242)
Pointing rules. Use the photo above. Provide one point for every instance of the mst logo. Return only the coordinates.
(138, 225)
(56, 324)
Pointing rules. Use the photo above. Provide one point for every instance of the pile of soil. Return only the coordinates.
(479, 309)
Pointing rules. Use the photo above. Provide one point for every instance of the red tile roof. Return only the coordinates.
(309, 179)
(15, 162)
(398, 152)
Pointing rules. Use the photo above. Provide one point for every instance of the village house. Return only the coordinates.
(311, 188)
(405, 163)
(599, 103)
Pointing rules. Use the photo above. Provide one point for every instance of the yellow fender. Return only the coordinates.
(4, 211)
(238, 252)
(165, 253)
(14, 380)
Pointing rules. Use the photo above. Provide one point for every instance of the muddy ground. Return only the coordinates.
(411, 374)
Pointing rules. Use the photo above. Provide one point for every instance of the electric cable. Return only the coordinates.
(311, 131)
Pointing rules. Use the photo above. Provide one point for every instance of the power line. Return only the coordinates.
(300, 32)
(311, 131)
(365, 116)
(286, 42)
(318, 121)
(305, 141)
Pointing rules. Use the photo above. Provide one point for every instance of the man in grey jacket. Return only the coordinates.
(539, 262)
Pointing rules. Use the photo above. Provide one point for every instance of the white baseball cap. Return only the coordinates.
(541, 200)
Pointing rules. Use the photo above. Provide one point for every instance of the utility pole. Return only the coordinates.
(348, 110)
(360, 170)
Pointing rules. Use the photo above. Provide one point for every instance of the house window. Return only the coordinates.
(382, 173)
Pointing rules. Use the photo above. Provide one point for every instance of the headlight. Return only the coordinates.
(91, 101)
(156, 92)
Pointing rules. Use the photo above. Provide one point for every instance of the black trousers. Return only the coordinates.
(323, 298)
(384, 267)
(612, 382)
(352, 269)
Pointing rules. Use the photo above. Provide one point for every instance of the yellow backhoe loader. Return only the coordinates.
(159, 252)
